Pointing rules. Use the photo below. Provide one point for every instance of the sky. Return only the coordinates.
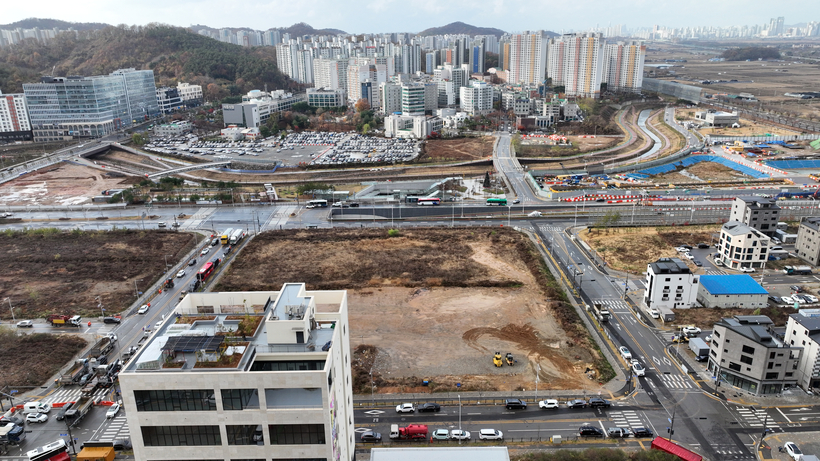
(375, 16)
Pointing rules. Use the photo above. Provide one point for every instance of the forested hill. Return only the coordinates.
(175, 55)
(44, 23)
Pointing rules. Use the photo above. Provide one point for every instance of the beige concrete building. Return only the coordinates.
(245, 375)
(803, 330)
(741, 246)
(808, 241)
(760, 213)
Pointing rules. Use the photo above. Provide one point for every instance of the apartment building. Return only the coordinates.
(477, 98)
(330, 73)
(250, 375)
(191, 95)
(803, 330)
(527, 58)
(747, 354)
(741, 246)
(807, 246)
(623, 66)
(390, 97)
(576, 63)
(14, 122)
(670, 285)
(757, 212)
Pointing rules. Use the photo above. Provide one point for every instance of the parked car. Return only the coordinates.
(490, 434)
(638, 369)
(795, 288)
(112, 411)
(122, 444)
(689, 256)
(793, 450)
(691, 331)
(775, 299)
(577, 403)
(787, 299)
(441, 434)
(548, 404)
(36, 418)
(703, 245)
(370, 437)
(641, 432)
(618, 432)
(25, 324)
(405, 408)
(590, 431)
(515, 404)
(459, 434)
(625, 353)
(654, 313)
(747, 270)
(698, 263)
(429, 406)
(596, 402)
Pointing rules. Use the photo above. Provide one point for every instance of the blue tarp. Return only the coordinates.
(689, 161)
(794, 164)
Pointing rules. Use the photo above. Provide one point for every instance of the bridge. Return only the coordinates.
(201, 166)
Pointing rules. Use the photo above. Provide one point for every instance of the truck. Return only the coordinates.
(601, 312)
(11, 434)
(90, 387)
(699, 347)
(103, 347)
(74, 374)
(666, 314)
(79, 409)
(58, 320)
(410, 432)
(225, 237)
(797, 270)
(36, 407)
(237, 236)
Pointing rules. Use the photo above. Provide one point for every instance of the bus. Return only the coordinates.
(497, 201)
(429, 201)
(55, 451)
(317, 203)
(206, 271)
(225, 237)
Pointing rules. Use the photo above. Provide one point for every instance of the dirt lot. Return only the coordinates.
(631, 249)
(706, 318)
(433, 304)
(50, 272)
(62, 184)
(37, 357)
(450, 150)
(580, 144)
(708, 171)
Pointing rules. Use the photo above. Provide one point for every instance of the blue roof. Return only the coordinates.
(742, 284)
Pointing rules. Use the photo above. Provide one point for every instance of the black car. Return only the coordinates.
(796, 289)
(590, 431)
(703, 245)
(697, 263)
(775, 299)
(688, 247)
(354, 205)
(61, 414)
(577, 403)
(13, 419)
(192, 262)
(515, 404)
(598, 402)
(642, 432)
(194, 285)
(111, 320)
(122, 444)
(371, 437)
(429, 406)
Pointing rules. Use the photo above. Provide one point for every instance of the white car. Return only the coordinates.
(205, 251)
(143, 309)
(747, 270)
(654, 313)
(181, 273)
(681, 250)
(638, 368)
(25, 324)
(36, 418)
(787, 299)
(812, 298)
(459, 434)
(625, 353)
(689, 255)
(691, 331)
(490, 434)
(405, 408)
(793, 451)
(548, 404)
(112, 411)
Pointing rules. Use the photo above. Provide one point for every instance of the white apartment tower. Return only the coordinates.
(670, 285)
(576, 62)
(623, 66)
(330, 73)
(528, 58)
(14, 116)
(390, 97)
(477, 98)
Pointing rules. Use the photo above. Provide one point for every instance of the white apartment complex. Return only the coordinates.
(477, 98)
(330, 73)
(527, 58)
(250, 375)
(576, 62)
(742, 246)
(623, 66)
(189, 93)
(14, 122)
(803, 330)
(670, 284)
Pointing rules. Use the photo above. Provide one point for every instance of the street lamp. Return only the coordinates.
(99, 304)
(459, 419)
(166, 262)
(10, 308)
(136, 291)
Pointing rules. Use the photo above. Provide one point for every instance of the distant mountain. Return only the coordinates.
(42, 23)
(295, 30)
(457, 28)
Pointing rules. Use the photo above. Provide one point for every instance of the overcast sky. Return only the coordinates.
(367, 16)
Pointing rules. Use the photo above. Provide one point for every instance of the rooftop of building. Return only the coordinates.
(756, 328)
(759, 202)
(811, 223)
(464, 453)
(226, 331)
(738, 228)
(809, 319)
(669, 266)
(741, 284)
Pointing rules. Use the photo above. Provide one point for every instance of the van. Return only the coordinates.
(36, 407)
(775, 248)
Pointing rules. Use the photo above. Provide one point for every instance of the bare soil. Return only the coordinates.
(708, 171)
(631, 249)
(61, 184)
(706, 318)
(433, 304)
(54, 272)
(36, 357)
(461, 149)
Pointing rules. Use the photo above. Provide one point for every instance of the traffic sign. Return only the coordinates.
(63, 435)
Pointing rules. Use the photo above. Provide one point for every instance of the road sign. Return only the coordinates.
(63, 435)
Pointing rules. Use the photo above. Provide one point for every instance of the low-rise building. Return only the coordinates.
(807, 246)
(670, 284)
(742, 246)
(191, 95)
(722, 291)
(716, 118)
(760, 213)
(747, 354)
(168, 99)
(323, 97)
(258, 106)
(803, 330)
(173, 129)
(412, 127)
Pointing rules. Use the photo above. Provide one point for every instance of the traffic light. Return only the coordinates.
(670, 431)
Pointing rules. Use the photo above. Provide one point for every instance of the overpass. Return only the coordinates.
(201, 166)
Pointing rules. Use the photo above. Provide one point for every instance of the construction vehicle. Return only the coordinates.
(169, 283)
(510, 360)
(601, 312)
(680, 339)
(78, 410)
(411, 432)
(58, 320)
(11, 434)
(497, 359)
(103, 346)
(74, 374)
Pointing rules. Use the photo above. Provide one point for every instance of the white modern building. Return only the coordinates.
(670, 285)
(411, 126)
(477, 98)
(168, 99)
(244, 375)
(741, 246)
(14, 122)
(173, 129)
(258, 106)
(190, 94)
(324, 97)
(803, 330)
(330, 73)
(390, 97)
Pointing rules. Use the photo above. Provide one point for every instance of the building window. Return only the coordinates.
(295, 365)
(748, 350)
(772, 375)
(240, 399)
(244, 434)
(734, 366)
(771, 355)
(297, 434)
(746, 359)
(176, 436)
(176, 400)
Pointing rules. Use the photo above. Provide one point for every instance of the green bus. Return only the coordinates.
(497, 201)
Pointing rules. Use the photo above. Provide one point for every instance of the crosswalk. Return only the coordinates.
(612, 304)
(116, 429)
(756, 417)
(196, 220)
(716, 272)
(550, 229)
(626, 418)
(72, 394)
(676, 381)
(731, 452)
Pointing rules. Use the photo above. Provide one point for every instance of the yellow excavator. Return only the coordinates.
(497, 359)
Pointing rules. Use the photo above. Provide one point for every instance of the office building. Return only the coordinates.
(527, 58)
(808, 241)
(670, 285)
(757, 212)
(177, 128)
(576, 63)
(14, 122)
(736, 291)
(413, 98)
(326, 98)
(477, 98)
(390, 97)
(741, 246)
(803, 330)
(65, 107)
(747, 354)
(250, 375)
(168, 99)
(257, 107)
(191, 95)
(477, 51)
(411, 126)
(623, 66)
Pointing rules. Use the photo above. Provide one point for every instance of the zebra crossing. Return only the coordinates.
(551, 228)
(116, 429)
(612, 304)
(72, 394)
(626, 418)
(715, 272)
(196, 220)
(676, 381)
(756, 417)
(731, 452)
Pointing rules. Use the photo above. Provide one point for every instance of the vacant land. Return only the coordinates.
(706, 318)
(61, 184)
(36, 357)
(707, 171)
(747, 127)
(433, 304)
(537, 147)
(631, 249)
(461, 149)
(49, 271)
